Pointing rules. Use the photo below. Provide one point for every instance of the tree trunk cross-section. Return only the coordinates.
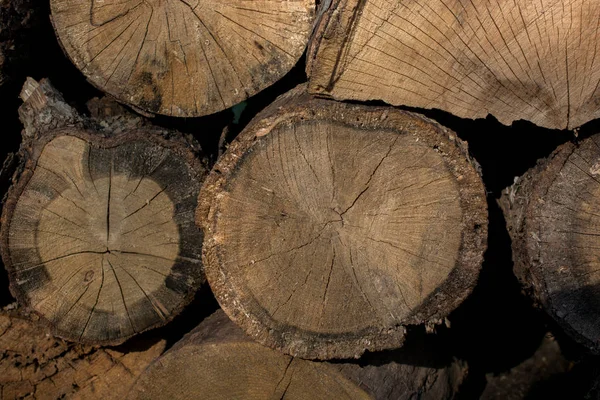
(329, 226)
(99, 236)
(533, 60)
(217, 361)
(183, 58)
(553, 216)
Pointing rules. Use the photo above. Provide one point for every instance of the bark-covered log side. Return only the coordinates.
(98, 231)
(329, 227)
(529, 377)
(217, 360)
(552, 217)
(527, 60)
(34, 365)
(183, 58)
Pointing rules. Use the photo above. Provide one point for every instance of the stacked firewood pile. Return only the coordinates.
(299, 200)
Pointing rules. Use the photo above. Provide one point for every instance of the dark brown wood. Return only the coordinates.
(552, 215)
(218, 361)
(330, 227)
(36, 365)
(98, 232)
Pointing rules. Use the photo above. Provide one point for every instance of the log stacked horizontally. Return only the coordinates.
(553, 218)
(218, 361)
(340, 239)
(532, 60)
(98, 232)
(330, 227)
(180, 57)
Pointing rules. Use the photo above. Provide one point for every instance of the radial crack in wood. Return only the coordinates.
(531, 60)
(553, 217)
(183, 58)
(218, 361)
(98, 235)
(329, 226)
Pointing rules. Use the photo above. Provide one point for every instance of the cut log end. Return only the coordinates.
(331, 226)
(99, 236)
(553, 217)
(529, 61)
(217, 361)
(183, 57)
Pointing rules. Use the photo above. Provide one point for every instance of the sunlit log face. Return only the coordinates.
(532, 60)
(335, 229)
(102, 241)
(183, 57)
(330, 226)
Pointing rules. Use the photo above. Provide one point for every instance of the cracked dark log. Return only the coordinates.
(34, 365)
(328, 227)
(218, 361)
(553, 217)
(532, 60)
(98, 233)
(183, 58)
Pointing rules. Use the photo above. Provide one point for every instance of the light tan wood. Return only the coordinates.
(218, 361)
(183, 57)
(534, 60)
(328, 226)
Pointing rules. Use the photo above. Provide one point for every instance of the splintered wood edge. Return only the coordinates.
(460, 282)
(31, 152)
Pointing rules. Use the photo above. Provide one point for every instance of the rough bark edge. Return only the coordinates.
(438, 304)
(517, 203)
(30, 153)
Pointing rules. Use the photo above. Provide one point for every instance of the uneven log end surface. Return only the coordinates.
(217, 361)
(98, 236)
(531, 60)
(553, 218)
(329, 226)
(183, 57)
